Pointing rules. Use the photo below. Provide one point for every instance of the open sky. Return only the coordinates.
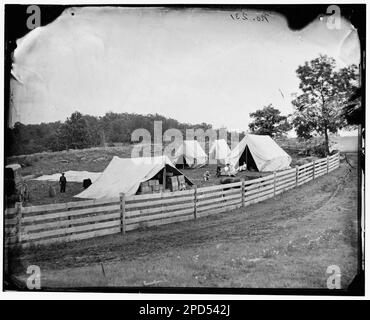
(192, 65)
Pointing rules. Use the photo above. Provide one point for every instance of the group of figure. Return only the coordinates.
(228, 170)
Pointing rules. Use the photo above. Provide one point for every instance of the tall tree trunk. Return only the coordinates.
(326, 140)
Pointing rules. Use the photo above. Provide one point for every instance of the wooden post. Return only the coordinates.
(313, 168)
(6, 242)
(274, 184)
(296, 175)
(18, 205)
(243, 193)
(123, 213)
(195, 201)
(69, 217)
(327, 164)
(338, 159)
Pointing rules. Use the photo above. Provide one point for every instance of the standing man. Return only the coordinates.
(218, 171)
(63, 183)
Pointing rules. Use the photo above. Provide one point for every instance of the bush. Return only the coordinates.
(320, 150)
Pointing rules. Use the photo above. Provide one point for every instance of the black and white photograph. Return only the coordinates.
(184, 148)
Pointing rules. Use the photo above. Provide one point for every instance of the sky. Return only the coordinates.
(191, 65)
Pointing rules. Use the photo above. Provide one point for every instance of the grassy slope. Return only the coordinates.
(93, 159)
(287, 242)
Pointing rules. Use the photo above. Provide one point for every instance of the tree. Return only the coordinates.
(74, 133)
(325, 90)
(84, 131)
(269, 121)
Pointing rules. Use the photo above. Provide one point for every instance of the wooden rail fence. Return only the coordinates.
(39, 225)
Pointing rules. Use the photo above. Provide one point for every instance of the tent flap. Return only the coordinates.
(267, 154)
(219, 150)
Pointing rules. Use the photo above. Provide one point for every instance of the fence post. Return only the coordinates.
(69, 217)
(327, 164)
(243, 193)
(195, 201)
(296, 175)
(18, 228)
(313, 172)
(14, 233)
(338, 159)
(123, 212)
(274, 184)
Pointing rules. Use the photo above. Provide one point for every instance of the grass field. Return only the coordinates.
(286, 242)
(93, 160)
(39, 190)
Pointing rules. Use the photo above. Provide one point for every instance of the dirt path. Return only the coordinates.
(284, 242)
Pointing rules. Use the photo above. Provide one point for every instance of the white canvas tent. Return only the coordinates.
(219, 150)
(191, 154)
(125, 175)
(260, 152)
(14, 166)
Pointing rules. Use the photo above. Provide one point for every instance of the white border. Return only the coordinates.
(167, 297)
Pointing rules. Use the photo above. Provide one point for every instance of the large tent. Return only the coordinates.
(125, 176)
(190, 154)
(219, 150)
(260, 153)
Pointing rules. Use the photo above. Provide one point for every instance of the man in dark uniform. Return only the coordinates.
(62, 182)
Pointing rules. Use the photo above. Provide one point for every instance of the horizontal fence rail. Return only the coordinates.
(64, 222)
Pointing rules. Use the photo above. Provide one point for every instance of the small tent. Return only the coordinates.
(219, 150)
(125, 176)
(260, 153)
(190, 154)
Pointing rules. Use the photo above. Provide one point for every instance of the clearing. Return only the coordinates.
(93, 160)
(286, 242)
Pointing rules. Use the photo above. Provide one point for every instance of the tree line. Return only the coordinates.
(85, 131)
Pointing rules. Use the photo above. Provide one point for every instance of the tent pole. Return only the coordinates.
(164, 178)
(246, 157)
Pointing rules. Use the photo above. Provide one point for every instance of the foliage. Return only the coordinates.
(353, 111)
(320, 150)
(325, 90)
(85, 131)
(32, 138)
(269, 121)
